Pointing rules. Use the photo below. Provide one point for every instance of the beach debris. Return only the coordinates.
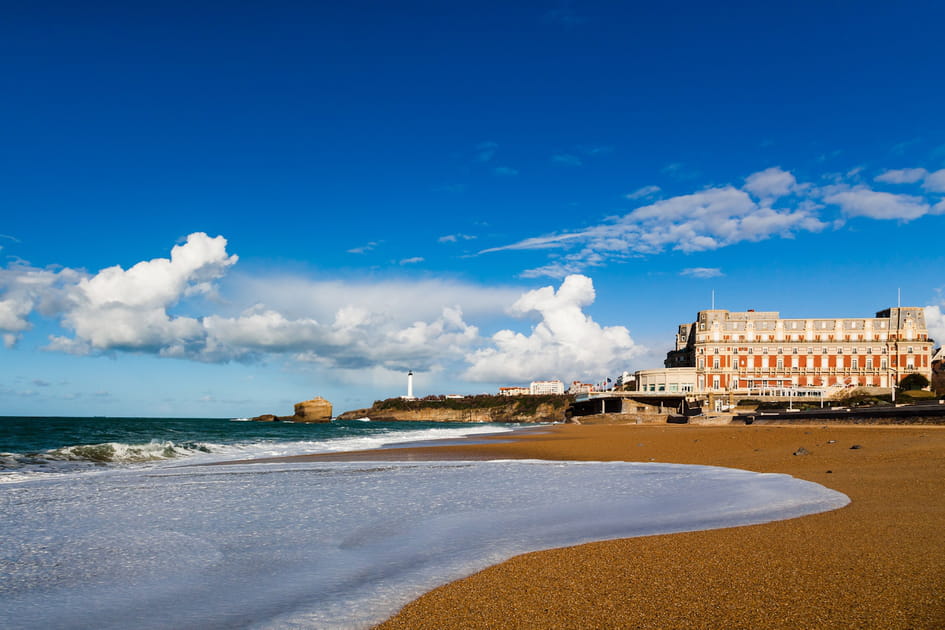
(801, 451)
(829, 472)
(855, 447)
(831, 441)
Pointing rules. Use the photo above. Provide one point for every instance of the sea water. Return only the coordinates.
(329, 545)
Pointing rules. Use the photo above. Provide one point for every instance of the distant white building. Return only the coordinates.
(577, 387)
(546, 387)
(626, 381)
(514, 391)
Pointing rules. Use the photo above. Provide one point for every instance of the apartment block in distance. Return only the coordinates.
(748, 350)
(546, 387)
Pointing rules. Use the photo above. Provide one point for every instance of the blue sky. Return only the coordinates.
(485, 193)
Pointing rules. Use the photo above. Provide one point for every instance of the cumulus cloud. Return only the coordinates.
(702, 272)
(504, 171)
(128, 309)
(770, 183)
(25, 289)
(567, 343)
(412, 260)
(389, 325)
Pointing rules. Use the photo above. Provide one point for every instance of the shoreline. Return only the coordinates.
(877, 563)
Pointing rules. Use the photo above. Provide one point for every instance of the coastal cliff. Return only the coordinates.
(315, 410)
(469, 409)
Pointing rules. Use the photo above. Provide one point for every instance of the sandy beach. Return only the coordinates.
(878, 563)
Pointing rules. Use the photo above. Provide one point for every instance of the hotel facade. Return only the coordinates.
(745, 351)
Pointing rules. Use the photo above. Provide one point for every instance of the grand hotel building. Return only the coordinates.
(751, 350)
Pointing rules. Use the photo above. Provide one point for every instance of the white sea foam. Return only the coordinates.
(18, 467)
(333, 545)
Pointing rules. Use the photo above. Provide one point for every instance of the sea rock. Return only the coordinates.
(315, 410)
(855, 447)
(802, 451)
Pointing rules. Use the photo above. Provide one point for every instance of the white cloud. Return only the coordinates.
(566, 343)
(935, 321)
(645, 191)
(863, 202)
(127, 309)
(770, 183)
(771, 203)
(935, 182)
(505, 171)
(453, 238)
(412, 261)
(702, 272)
(26, 289)
(364, 248)
(902, 176)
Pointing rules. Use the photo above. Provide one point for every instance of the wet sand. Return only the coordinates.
(877, 563)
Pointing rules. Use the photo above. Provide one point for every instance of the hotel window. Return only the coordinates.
(869, 350)
(839, 350)
(909, 350)
(715, 350)
(884, 365)
(794, 350)
(910, 363)
(795, 362)
(780, 350)
(810, 349)
(825, 349)
(715, 363)
(715, 382)
(855, 363)
(884, 350)
(764, 350)
(869, 363)
(853, 351)
(780, 364)
(701, 364)
(751, 351)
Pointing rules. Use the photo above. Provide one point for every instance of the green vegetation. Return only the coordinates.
(514, 404)
(913, 381)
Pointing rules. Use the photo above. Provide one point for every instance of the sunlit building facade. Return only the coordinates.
(744, 351)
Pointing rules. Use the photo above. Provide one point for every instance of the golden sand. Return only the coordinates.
(877, 563)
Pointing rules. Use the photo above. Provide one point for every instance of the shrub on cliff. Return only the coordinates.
(516, 404)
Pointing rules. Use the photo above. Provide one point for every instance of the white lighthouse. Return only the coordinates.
(410, 385)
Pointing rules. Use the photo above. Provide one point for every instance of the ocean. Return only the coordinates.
(113, 523)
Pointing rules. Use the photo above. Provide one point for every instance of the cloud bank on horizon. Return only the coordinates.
(386, 326)
(769, 203)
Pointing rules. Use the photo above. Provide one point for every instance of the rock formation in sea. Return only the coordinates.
(315, 410)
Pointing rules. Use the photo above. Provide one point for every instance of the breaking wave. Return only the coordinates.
(79, 457)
